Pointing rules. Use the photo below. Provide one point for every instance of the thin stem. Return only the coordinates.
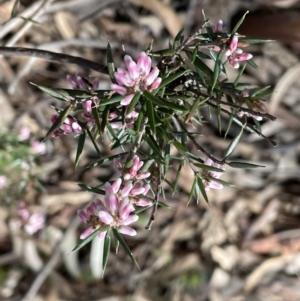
(157, 192)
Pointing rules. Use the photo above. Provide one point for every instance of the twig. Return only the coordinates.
(28, 23)
(157, 192)
(50, 265)
(251, 127)
(199, 147)
(53, 57)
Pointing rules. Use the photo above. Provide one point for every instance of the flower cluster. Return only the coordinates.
(132, 173)
(236, 55)
(137, 78)
(208, 183)
(70, 125)
(31, 222)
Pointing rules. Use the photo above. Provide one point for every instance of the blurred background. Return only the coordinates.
(245, 245)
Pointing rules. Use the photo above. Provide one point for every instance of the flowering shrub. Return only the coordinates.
(150, 108)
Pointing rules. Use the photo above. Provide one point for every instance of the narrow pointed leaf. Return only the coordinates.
(150, 114)
(125, 246)
(91, 189)
(179, 39)
(94, 143)
(172, 78)
(110, 62)
(202, 189)
(239, 75)
(80, 146)
(59, 121)
(192, 192)
(133, 103)
(106, 250)
(236, 27)
(175, 184)
(233, 144)
(97, 121)
(252, 64)
(243, 165)
(15, 8)
(87, 240)
(52, 92)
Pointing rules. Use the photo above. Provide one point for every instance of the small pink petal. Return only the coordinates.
(105, 217)
(82, 215)
(137, 191)
(130, 219)
(151, 77)
(143, 203)
(156, 83)
(112, 203)
(215, 185)
(119, 89)
(245, 57)
(116, 186)
(102, 235)
(131, 67)
(127, 231)
(87, 233)
(126, 100)
(233, 43)
(87, 105)
(143, 175)
(126, 189)
(143, 64)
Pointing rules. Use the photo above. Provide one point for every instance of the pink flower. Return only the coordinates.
(236, 55)
(69, 126)
(114, 212)
(214, 174)
(24, 133)
(132, 173)
(137, 78)
(3, 181)
(117, 214)
(79, 83)
(38, 147)
(136, 195)
(32, 222)
(129, 120)
(90, 216)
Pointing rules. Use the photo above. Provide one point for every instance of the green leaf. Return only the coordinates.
(216, 72)
(163, 52)
(202, 189)
(150, 114)
(97, 121)
(94, 143)
(175, 184)
(243, 165)
(236, 27)
(88, 239)
(15, 8)
(104, 120)
(59, 121)
(256, 41)
(208, 167)
(201, 66)
(110, 62)
(91, 189)
(209, 30)
(106, 160)
(192, 192)
(239, 75)
(259, 92)
(233, 144)
(153, 145)
(55, 93)
(172, 78)
(178, 39)
(80, 146)
(106, 250)
(252, 64)
(125, 246)
(179, 146)
(163, 103)
(133, 103)
(111, 100)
